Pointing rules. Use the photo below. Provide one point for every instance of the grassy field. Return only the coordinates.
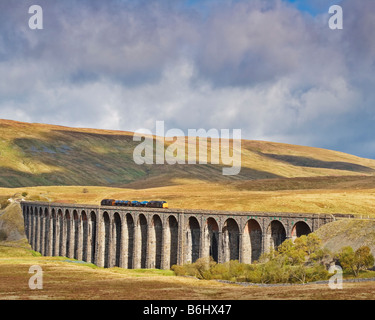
(65, 279)
(214, 196)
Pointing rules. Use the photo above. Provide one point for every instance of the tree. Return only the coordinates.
(363, 258)
(322, 256)
(294, 254)
(355, 261)
(313, 244)
(302, 250)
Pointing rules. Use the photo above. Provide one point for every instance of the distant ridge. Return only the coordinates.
(34, 154)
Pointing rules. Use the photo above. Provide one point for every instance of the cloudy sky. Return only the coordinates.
(272, 68)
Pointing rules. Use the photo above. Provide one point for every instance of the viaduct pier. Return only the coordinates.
(143, 237)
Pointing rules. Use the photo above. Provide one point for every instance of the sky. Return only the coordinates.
(272, 68)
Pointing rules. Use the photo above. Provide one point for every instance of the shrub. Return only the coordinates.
(236, 269)
(253, 274)
(203, 268)
(300, 261)
(276, 271)
(303, 273)
(178, 270)
(219, 271)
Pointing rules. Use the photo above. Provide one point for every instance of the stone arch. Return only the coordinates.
(92, 236)
(32, 228)
(299, 229)
(231, 240)
(155, 242)
(33, 224)
(38, 213)
(75, 234)
(275, 235)
(60, 230)
(40, 235)
(251, 241)
(211, 239)
(35, 229)
(27, 222)
(54, 230)
(192, 240)
(84, 234)
(47, 232)
(67, 231)
(106, 239)
(129, 241)
(117, 229)
(30, 224)
(171, 242)
(31, 217)
(141, 242)
(34, 219)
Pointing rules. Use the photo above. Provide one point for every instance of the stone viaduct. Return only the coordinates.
(133, 238)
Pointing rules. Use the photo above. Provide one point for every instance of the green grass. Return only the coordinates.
(15, 252)
(368, 274)
(153, 272)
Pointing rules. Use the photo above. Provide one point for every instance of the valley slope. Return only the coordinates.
(48, 155)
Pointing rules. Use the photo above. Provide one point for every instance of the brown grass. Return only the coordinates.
(73, 281)
(217, 196)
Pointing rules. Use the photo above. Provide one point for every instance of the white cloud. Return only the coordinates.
(261, 66)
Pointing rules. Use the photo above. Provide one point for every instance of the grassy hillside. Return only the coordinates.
(351, 232)
(54, 163)
(11, 223)
(47, 155)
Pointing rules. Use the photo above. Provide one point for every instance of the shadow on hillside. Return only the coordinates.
(128, 136)
(85, 158)
(314, 163)
(168, 175)
(154, 176)
(10, 178)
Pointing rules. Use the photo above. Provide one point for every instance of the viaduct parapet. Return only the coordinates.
(144, 237)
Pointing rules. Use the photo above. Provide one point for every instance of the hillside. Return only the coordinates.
(349, 232)
(47, 155)
(11, 223)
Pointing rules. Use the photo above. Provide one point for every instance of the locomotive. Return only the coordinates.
(127, 203)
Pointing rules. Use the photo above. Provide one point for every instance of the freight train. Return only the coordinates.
(127, 203)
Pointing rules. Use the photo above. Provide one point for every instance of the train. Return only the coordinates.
(128, 203)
